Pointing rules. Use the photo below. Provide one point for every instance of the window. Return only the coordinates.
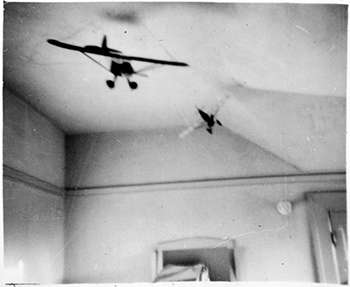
(215, 254)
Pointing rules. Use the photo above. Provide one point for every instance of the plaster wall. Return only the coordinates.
(112, 235)
(31, 143)
(128, 191)
(33, 189)
(151, 156)
(33, 234)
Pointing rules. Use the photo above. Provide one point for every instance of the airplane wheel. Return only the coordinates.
(133, 85)
(110, 84)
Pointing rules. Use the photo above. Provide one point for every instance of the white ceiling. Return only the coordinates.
(282, 65)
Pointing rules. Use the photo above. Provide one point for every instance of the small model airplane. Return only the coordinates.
(210, 120)
(207, 120)
(120, 65)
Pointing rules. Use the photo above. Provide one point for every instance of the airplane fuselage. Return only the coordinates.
(123, 68)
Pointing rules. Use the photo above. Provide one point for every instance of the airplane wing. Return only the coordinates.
(107, 52)
(204, 115)
(102, 51)
(192, 128)
(148, 60)
(65, 46)
(221, 102)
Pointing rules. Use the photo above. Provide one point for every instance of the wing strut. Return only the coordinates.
(98, 63)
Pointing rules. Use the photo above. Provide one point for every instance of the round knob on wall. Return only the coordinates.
(284, 207)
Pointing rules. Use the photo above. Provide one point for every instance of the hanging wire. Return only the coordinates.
(154, 37)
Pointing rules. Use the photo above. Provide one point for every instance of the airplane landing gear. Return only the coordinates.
(133, 85)
(110, 84)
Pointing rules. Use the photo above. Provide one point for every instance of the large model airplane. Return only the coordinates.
(207, 120)
(120, 65)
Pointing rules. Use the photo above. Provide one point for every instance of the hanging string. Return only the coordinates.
(154, 37)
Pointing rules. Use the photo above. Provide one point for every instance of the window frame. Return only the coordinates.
(320, 204)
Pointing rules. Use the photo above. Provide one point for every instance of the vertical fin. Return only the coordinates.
(104, 43)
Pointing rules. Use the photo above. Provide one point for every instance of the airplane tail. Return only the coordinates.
(104, 43)
(105, 48)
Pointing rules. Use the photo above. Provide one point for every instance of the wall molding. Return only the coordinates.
(19, 176)
(206, 183)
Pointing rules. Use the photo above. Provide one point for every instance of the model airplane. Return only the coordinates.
(210, 120)
(120, 65)
(206, 120)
